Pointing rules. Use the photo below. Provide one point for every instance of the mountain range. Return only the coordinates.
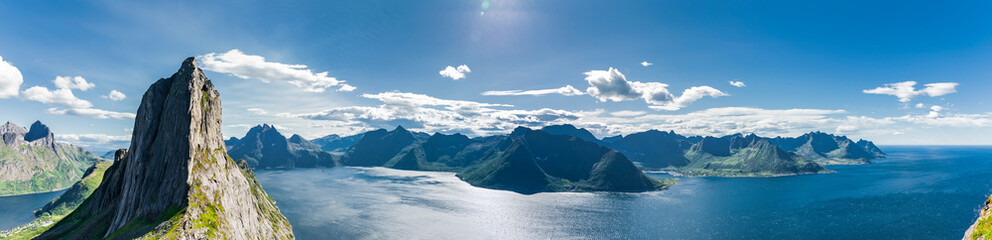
(476, 159)
(734, 155)
(264, 147)
(525, 161)
(32, 161)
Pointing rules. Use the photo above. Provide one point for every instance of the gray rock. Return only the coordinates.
(176, 179)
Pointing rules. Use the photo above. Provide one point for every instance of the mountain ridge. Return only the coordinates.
(176, 179)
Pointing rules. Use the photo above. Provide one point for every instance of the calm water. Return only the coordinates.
(18, 210)
(917, 193)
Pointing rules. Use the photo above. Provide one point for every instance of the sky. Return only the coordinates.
(897, 73)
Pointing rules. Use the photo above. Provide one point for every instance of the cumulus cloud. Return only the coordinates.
(425, 113)
(455, 72)
(74, 106)
(91, 113)
(77, 82)
(920, 105)
(906, 91)
(115, 95)
(10, 79)
(346, 88)
(646, 63)
(246, 66)
(61, 96)
(567, 90)
(737, 84)
(611, 85)
(935, 111)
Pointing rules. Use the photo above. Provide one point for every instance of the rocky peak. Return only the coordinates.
(296, 138)
(39, 131)
(176, 178)
(12, 134)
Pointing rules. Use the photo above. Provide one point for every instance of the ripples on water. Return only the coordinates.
(917, 193)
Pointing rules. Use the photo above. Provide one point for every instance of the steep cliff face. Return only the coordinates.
(982, 228)
(176, 180)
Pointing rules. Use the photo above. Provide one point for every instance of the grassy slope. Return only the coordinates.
(760, 160)
(61, 206)
(52, 174)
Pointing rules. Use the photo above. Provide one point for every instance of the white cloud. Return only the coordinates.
(425, 113)
(346, 88)
(628, 113)
(246, 66)
(737, 84)
(906, 91)
(611, 85)
(258, 111)
(115, 95)
(688, 97)
(646, 63)
(93, 138)
(77, 82)
(935, 111)
(61, 96)
(455, 72)
(920, 105)
(567, 90)
(100, 141)
(91, 113)
(10, 79)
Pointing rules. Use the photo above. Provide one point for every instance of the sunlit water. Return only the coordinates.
(18, 210)
(917, 193)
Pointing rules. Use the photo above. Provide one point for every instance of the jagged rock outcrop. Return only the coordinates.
(264, 147)
(982, 228)
(828, 149)
(33, 161)
(176, 180)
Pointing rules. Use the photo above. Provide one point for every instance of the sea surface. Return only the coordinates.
(18, 210)
(916, 193)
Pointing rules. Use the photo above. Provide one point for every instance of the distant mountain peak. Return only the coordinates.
(39, 131)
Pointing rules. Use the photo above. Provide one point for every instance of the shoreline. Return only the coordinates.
(25, 194)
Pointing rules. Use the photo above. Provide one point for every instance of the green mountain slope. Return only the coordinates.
(535, 161)
(60, 206)
(33, 161)
(744, 156)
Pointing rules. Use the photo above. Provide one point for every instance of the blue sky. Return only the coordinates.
(804, 66)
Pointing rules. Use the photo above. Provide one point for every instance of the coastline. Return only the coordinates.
(24, 194)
